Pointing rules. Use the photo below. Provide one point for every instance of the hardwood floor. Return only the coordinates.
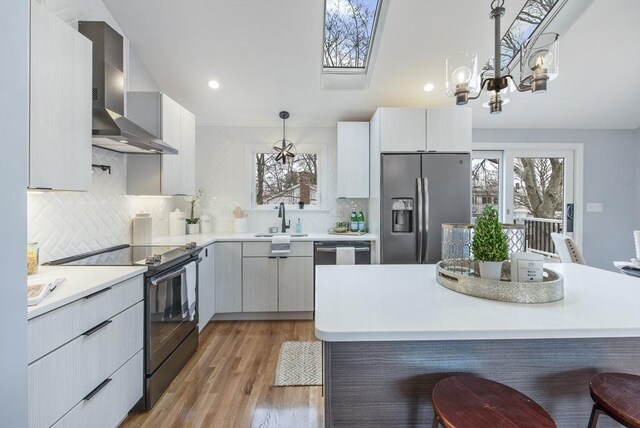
(228, 382)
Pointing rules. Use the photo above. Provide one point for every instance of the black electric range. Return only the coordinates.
(157, 258)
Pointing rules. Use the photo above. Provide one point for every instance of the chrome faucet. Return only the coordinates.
(281, 214)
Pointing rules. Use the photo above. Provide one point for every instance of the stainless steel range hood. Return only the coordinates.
(111, 129)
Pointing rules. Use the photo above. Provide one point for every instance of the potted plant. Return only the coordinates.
(192, 221)
(489, 244)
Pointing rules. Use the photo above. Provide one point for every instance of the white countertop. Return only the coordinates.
(209, 238)
(79, 281)
(405, 302)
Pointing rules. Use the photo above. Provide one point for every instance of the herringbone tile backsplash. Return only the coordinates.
(69, 223)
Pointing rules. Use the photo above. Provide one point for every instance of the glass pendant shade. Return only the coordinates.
(462, 75)
(539, 61)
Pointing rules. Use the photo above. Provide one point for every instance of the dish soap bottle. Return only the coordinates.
(298, 226)
(354, 222)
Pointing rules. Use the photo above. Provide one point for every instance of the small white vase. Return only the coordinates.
(490, 270)
(193, 228)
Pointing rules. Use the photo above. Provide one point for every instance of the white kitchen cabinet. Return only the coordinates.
(295, 284)
(277, 284)
(187, 152)
(402, 129)
(259, 284)
(206, 286)
(162, 174)
(88, 365)
(228, 277)
(449, 130)
(60, 104)
(353, 160)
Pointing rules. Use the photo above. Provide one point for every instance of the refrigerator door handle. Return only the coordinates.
(420, 234)
(425, 189)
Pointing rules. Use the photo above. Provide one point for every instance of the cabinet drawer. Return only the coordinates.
(53, 329)
(112, 402)
(263, 249)
(61, 379)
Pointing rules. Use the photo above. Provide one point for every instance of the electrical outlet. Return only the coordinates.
(594, 207)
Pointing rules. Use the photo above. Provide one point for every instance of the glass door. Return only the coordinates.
(538, 193)
(486, 179)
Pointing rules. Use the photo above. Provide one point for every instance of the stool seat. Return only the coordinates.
(618, 395)
(470, 401)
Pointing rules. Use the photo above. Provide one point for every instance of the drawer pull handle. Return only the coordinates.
(96, 328)
(97, 389)
(104, 290)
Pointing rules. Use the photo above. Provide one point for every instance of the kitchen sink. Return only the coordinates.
(271, 235)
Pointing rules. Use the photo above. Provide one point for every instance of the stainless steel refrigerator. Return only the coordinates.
(420, 191)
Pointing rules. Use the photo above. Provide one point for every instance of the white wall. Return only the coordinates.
(223, 173)
(610, 177)
(14, 122)
(638, 179)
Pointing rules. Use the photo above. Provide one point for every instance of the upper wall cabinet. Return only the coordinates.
(419, 130)
(402, 129)
(60, 104)
(175, 125)
(353, 160)
(449, 130)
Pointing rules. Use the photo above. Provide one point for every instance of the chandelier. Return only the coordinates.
(538, 65)
(284, 148)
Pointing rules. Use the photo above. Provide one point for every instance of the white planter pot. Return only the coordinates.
(193, 228)
(490, 270)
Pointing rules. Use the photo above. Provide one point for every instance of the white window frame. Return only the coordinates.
(320, 150)
(542, 150)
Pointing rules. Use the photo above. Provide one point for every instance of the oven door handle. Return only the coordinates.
(333, 250)
(156, 279)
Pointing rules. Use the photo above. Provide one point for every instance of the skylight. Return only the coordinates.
(349, 27)
(533, 13)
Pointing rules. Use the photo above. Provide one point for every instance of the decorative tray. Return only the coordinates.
(551, 288)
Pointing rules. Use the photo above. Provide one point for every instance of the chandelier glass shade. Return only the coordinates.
(539, 63)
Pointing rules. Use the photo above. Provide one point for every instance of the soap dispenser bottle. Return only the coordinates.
(298, 226)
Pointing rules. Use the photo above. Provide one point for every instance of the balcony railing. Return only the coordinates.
(537, 233)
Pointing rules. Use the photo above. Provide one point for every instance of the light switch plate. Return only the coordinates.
(594, 207)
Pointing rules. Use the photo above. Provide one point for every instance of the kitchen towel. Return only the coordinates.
(345, 256)
(280, 245)
(636, 237)
(191, 279)
(142, 227)
(177, 223)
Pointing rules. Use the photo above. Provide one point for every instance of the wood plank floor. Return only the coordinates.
(228, 382)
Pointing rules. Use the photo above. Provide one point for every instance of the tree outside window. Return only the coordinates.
(291, 183)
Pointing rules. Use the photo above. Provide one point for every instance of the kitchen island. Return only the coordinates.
(391, 332)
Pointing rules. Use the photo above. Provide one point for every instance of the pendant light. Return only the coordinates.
(284, 148)
(538, 65)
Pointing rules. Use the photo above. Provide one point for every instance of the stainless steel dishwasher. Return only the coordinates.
(325, 252)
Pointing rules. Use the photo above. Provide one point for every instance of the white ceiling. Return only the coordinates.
(267, 56)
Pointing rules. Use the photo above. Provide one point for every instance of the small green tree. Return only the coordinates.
(489, 242)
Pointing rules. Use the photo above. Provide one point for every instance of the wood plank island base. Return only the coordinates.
(391, 333)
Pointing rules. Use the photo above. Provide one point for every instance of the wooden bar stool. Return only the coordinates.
(618, 396)
(469, 401)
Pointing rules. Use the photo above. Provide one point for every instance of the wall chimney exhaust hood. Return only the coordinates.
(111, 130)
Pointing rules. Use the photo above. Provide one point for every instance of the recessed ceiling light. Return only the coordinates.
(213, 84)
(428, 87)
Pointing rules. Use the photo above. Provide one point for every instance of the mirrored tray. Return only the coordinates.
(551, 289)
